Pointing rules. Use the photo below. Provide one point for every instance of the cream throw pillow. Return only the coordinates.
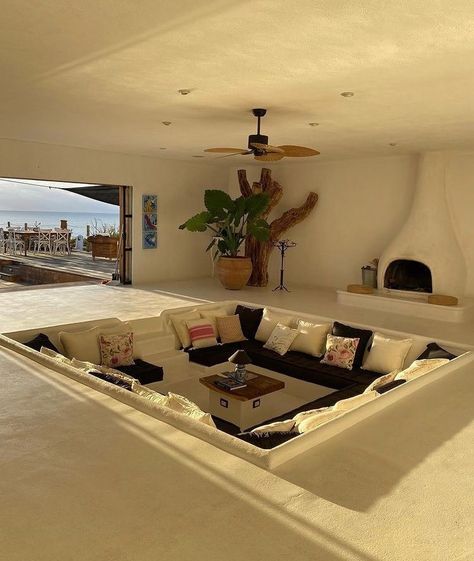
(178, 322)
(56, 356)
(353, 402)
(202, 333)
(280, 426)
(185, 406)
(147, 393)
(212, 316)
(311, 338)
(420, 367)
(381, 381)
(268, 323)
(230, 330)
(387, 354)
(317, 419)
(280, 339)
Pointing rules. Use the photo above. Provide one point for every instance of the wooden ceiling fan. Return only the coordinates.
(261, 150)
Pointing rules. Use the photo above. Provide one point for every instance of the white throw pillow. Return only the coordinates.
(185, 406)
(280, 339)
(178, 322)
(353, 402)
(305, 414)
(268, 323)
(420, 367)
(381, 381)
(387, 354)
(84, 345)
(212, 316)
(317, 419)
(280, 426)
(147, 393)
(311, 338)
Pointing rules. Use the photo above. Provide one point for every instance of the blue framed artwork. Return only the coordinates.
(150, 221)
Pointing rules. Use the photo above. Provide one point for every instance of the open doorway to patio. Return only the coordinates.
(55, 232)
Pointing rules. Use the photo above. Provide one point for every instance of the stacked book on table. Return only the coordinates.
(229, 384)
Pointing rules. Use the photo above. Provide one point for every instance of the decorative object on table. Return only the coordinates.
(240, 358)
(283, 246)
(231, 222)
(259, 251)
(150, 221)
(442, 300)
(360, 289)
(259, 148)
(369, 273)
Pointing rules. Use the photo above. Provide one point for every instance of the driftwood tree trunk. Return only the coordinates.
(260, 252)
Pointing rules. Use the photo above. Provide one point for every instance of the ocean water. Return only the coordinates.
(76, 221)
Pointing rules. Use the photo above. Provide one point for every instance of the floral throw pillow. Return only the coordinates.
(116, 350)
(340, 351)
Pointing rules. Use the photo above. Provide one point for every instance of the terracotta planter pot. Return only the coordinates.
(234, 272)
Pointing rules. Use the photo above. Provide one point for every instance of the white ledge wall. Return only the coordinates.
(363, 204)
(179, 186)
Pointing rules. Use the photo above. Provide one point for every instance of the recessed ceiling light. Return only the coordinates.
(184, 91)
(313, 124)
(392, 143)
(166, 123)
(198, 156)
(347, 94)
(162, 148)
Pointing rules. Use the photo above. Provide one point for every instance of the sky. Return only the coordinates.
(34, 195)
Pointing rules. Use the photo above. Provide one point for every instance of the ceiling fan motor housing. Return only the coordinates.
(258, 139)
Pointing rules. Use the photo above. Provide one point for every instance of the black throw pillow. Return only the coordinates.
(433, 350)
(267, 440)
(364, 335)
(250, 319)
(41, 340)
(389, 386)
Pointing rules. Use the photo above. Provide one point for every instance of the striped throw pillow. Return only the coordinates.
(201, 333)
(230, 330)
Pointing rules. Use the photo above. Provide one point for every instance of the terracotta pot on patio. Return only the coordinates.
(234, 272)
(103, 246)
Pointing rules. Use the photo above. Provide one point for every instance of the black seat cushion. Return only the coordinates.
(144, 372)
(41, 340)
(109, 378)
(267, 440)
(433, 350)
(250, 319)
(209, 356)
(364, 335)
(389, 386)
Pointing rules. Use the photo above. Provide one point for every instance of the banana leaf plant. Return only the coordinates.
(230, 220)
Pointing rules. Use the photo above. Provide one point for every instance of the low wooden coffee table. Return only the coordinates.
(245, 407)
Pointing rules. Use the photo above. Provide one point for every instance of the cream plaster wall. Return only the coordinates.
(362, 205)
(179, 186)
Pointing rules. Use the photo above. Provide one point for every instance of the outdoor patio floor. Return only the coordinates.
(79, 263)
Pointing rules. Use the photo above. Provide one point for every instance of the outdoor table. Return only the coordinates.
(26, 235)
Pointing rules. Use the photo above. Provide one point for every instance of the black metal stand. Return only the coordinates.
(283, 246)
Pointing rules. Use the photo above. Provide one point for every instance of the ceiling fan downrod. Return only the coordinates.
(258, 138)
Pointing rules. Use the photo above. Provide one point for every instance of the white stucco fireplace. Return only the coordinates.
(424, 257)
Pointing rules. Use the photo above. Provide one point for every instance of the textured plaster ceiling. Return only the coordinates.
(104, 74)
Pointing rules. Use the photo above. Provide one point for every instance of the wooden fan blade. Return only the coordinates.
(235, 154)
(298, 151)
(225, 150)
(270, 157)
(267, 148)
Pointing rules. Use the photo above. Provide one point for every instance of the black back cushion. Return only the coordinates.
(364, 335)
(433, 350)
(250, 319)
(41, 340)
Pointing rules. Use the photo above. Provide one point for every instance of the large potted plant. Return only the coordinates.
(231, 221)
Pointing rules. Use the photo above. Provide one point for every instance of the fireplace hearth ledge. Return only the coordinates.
(414, 305)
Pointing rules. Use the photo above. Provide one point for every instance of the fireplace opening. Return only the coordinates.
(405, 274)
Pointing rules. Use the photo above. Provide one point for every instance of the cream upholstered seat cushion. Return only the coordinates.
(420, 367)
(317, 419)
(147, 393)
(230, 329)
(387, 354)
(268, 323)
(280, 339)
(287, 425)
(84, 345)
(178, 323)
(311, 338)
